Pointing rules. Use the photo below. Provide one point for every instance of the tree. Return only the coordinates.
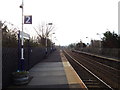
(71, 45)
(1, 24)
(44, 32)
(81, 45)
(77, 45)
(9, 37)
(110, 40)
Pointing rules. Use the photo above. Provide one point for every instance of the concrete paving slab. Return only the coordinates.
(45, 73)
(54, 66)
(47, 69)
(49, 64)
(48, 73)
(46, 80)
(54, 57)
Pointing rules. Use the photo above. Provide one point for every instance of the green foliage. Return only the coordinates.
(81, 45)
(77, 45)
(30, 43)
(42, 41)
(110, 40)
(72, 45)
(9, 39)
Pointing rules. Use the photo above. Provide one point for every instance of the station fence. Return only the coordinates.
(10, 61)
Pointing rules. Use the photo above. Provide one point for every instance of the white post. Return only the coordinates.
(22, 50)
(0, 58)
(119, 18)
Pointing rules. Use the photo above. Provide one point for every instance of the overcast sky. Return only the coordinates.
(73, 19)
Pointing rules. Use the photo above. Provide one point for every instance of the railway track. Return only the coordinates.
(107, 61)
(94, 74)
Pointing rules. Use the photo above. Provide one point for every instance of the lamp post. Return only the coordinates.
(51, 41)
(99, 41)
(46, 45)
(88, 41)
(47, 36)
(21, 77)
(22, 50)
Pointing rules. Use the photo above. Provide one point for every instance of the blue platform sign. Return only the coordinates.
(28, 19)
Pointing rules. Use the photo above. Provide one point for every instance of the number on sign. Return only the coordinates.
(28, 20)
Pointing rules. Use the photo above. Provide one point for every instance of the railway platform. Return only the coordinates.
(53, 72)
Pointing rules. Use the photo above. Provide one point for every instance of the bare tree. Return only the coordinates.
(44, 31)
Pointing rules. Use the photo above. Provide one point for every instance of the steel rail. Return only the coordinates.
(90, 71)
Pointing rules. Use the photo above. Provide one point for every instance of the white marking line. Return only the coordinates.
(89, 71)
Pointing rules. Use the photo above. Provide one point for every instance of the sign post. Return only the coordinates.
(27, 20)
(22, 77)
(22, 50)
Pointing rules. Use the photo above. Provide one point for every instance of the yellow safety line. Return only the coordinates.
(71, 74)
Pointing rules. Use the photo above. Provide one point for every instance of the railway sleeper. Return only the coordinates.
(93, 84)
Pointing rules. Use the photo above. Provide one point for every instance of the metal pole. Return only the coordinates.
(51, 42)
(100, 41)
(19, 64)
(46, 39)
(47, 35)
(100, 45)
(22, 50)
(46, 45)
(28, 45)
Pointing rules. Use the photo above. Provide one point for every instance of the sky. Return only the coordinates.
(74, 20)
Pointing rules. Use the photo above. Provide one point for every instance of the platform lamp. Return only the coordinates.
(51, 42)
(21, 77)
(22, 50)
(99, 40)
(46, 51)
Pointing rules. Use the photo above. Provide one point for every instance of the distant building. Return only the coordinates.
(95, 44)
